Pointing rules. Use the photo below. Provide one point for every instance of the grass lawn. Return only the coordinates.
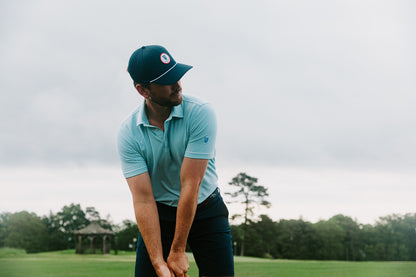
(67, 264)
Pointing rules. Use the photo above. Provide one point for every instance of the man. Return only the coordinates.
(167, 151)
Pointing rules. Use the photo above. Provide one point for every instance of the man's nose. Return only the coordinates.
(176, 85)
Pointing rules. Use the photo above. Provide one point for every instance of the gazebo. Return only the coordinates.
(91, 232)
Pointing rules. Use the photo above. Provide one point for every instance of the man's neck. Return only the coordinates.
(157, 114)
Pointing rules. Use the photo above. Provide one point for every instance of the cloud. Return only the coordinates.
(313, 98)
(292, 83)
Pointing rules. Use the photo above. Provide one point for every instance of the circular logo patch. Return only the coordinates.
(165, 58)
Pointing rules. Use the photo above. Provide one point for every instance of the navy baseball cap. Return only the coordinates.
(154, 64)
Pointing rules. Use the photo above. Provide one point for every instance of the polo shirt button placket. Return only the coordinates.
(165, 141)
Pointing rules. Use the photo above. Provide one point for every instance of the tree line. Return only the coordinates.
(392, 238)
(339, 238)
(34, 234)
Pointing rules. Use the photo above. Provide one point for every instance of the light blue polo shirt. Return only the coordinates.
(190, 131)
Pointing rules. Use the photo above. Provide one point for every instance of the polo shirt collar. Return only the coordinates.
(141, 116)
(177, 111)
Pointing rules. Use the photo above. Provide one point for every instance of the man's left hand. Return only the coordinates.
(178, 263)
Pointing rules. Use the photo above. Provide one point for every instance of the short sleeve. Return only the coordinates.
(203, 132)
(132, 161)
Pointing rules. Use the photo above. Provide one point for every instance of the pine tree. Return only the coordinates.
(250, 195)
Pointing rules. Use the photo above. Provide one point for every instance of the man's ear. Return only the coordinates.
(143, 91)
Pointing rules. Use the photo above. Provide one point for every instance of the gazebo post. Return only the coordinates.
(91, 238)
(79, 248)
(104, 245)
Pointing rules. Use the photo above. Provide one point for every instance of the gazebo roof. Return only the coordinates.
(94, 229)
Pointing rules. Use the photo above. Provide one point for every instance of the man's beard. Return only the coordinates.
(167, 102)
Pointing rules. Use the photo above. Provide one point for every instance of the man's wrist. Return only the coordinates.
(158, 263)
(177, 248)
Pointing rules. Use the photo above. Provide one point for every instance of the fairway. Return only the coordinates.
(67, 264)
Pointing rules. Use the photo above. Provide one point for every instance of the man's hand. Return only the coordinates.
(163, 270)
(178, 263)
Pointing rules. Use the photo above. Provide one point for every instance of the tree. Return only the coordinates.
(296, 239)
(93, 216)
(62, 225)
(396, 237)
(126, 237)
(250, 195)
(261, 238)
(26, 231)
(57, 239)
(370, 242)
(4, 218)
(70, 219)
(330, 238)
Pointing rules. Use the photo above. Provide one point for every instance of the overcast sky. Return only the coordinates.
(314, 98)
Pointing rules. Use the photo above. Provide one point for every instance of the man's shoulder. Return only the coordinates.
(131, 120)
(192, 103)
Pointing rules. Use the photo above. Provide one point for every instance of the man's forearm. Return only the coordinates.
(187, 205)
(192, 173)
(148, 222)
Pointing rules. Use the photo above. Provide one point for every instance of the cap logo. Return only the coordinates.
(165, 58)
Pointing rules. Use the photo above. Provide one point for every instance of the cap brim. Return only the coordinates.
(173, 75)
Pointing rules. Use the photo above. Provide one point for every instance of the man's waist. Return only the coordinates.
(167, 212)
(210, 197)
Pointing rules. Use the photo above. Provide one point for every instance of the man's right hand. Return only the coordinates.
(163, 270)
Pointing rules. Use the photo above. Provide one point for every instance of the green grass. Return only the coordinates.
(7, 252)
(16, 263)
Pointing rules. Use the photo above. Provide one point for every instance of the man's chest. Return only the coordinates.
(171, 143)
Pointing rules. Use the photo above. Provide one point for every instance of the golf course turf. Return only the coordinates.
(67, 264)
